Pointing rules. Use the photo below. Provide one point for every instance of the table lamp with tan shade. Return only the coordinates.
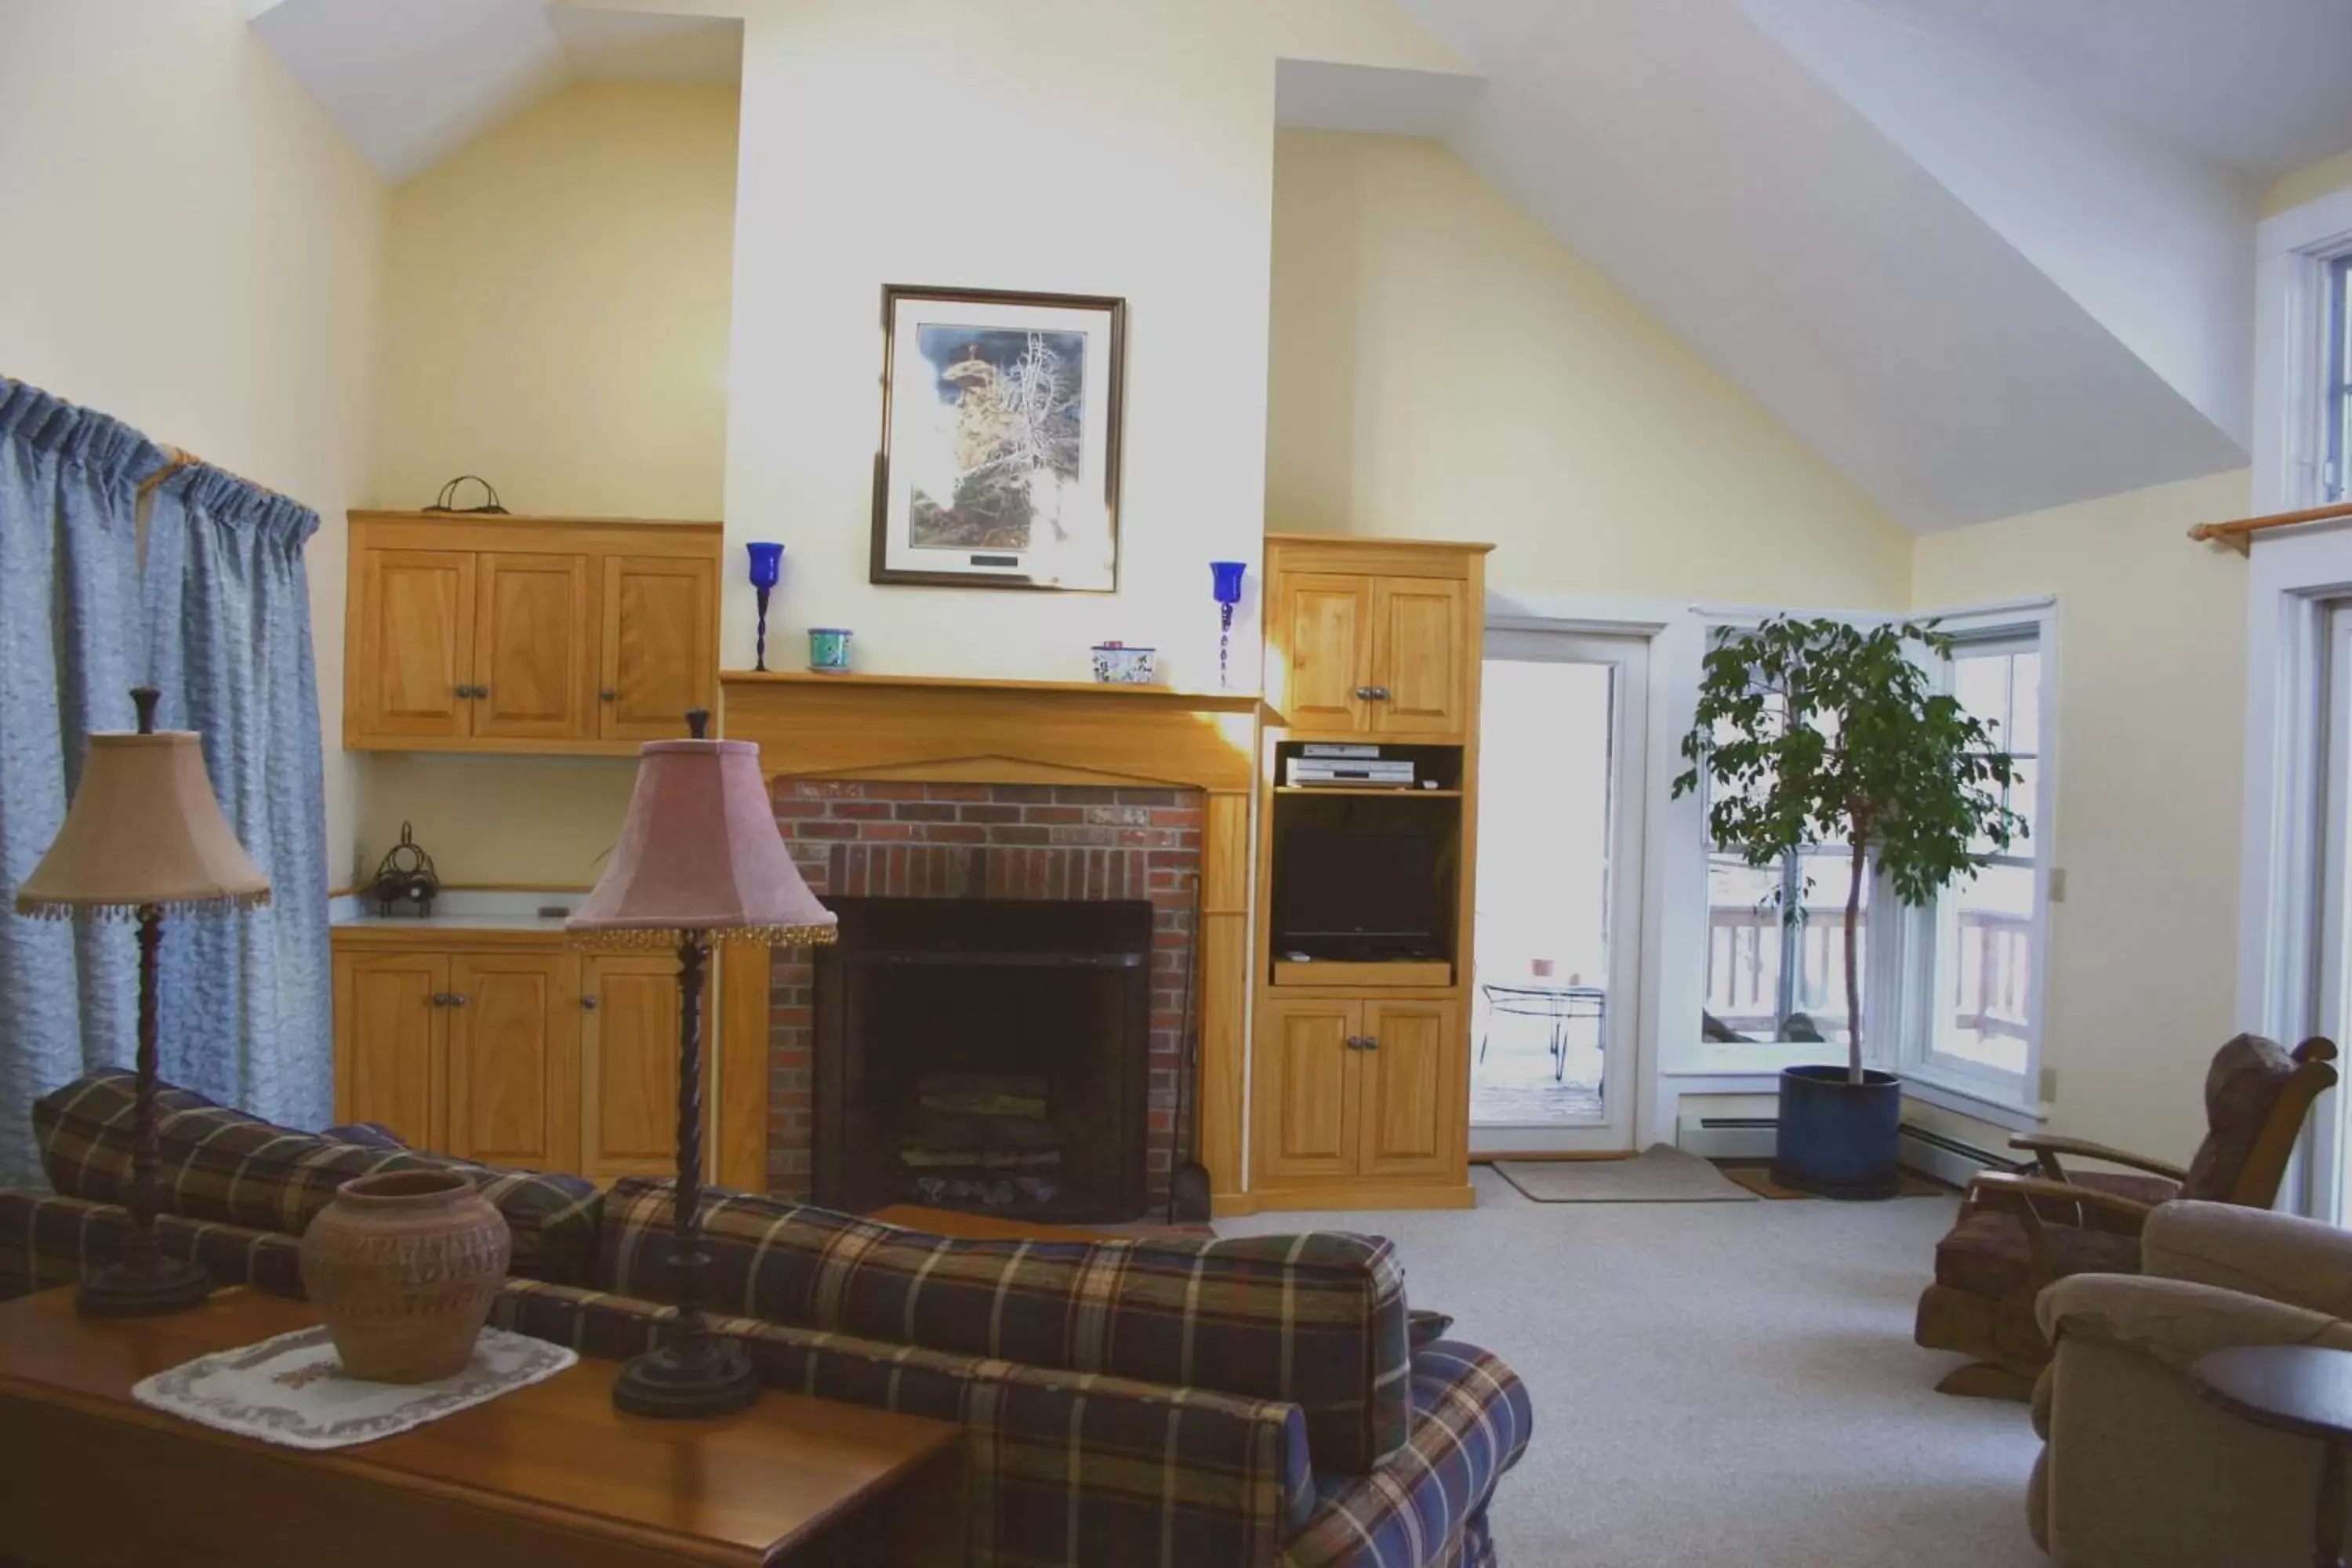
(699, 862)
(144, 837)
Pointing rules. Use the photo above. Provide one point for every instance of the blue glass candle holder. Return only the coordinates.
(1225, 581)
(767, 570)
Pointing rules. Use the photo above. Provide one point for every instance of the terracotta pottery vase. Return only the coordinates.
(402, 1267)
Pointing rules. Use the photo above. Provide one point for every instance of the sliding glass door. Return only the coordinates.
(1558, 844)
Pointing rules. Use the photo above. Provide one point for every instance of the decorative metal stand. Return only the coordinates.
(141, 1281)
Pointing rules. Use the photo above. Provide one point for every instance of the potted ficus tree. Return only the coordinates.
(1814, 733)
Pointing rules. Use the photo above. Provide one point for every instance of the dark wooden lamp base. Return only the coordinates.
(688, 1382)
(126, 1289)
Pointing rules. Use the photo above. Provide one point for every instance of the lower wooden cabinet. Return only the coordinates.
(1356, 1090)
(523, 1055)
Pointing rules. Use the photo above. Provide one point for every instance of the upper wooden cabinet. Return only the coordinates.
(1373, 636)
(526, 634)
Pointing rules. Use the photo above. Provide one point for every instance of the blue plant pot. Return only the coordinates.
(1837, 1138)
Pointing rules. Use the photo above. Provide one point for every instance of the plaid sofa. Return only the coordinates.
(1254, 1401)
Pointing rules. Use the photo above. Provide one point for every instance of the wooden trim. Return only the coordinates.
(1364, 1195)
(2238, 535)
(1358, 540)
(739, 1066)
(471, 521)
(441, 939)
(1187, 697)
(1431, 973)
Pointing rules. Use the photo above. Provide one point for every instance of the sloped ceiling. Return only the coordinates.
(1985, 255)
(411, 81)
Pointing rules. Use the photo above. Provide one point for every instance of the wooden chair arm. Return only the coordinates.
(2048, 1146)
(2016, 1195)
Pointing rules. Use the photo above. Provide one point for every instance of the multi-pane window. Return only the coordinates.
(1985, 972)
(1776, 946)
(2336, 483)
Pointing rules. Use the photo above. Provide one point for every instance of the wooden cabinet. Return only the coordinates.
(1360, 1060)
(508, 1047)
(628, 1067)
(1352, 1090)
(513, 1024)
(540, 635)
(1383, 650)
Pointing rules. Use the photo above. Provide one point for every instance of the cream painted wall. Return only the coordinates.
(2152, 657)
(555, 310)
(1443, 367)
(2290, 191)
(1056, 146)
(555, 303)
(193, 248)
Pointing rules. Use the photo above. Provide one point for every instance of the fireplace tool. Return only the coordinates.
(1187, 1183)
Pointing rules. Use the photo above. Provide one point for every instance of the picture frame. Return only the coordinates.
(998, 462)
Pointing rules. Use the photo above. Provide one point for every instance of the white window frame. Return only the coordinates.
(1906, 968)
(2296, 577)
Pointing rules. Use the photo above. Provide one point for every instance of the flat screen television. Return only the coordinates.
(1357, 894)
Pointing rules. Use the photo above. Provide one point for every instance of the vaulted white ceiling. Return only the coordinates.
(1985, 255)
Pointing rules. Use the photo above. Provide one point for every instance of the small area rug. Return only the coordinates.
(1757, 1179)
(1658, 1174)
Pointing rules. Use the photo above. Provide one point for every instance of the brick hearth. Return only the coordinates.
(872, 839)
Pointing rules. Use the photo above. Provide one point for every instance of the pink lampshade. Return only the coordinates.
(699, 852)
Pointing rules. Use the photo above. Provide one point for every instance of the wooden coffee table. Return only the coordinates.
(549, 1474)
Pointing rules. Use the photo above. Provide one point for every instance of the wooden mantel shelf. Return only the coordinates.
(1174, 696)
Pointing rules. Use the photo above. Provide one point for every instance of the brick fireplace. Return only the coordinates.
(895, 839)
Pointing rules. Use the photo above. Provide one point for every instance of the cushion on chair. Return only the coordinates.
(1425, 1506)
(1987, 1254)
(2241, 1087)
(223, 1166)
(367, 1134)
(1317, 1320)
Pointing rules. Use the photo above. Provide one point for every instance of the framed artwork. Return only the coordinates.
(998, 464)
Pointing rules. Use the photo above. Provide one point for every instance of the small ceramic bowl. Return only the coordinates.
(1116, 664)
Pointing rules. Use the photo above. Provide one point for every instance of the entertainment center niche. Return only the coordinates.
(1366, 810)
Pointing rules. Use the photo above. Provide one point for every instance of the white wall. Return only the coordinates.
(1443, 367)
(2141, 965)
(193, 247)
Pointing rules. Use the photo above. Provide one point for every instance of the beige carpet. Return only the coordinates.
(1658, 1174)
(1719, 1387)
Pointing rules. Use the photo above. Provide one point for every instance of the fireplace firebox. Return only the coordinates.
(984, 1054)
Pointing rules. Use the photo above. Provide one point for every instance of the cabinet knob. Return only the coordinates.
(1370, 1043)
(1380, 694)
(1365, 693)
(588, 1004)
(609, 695)
(454, 999)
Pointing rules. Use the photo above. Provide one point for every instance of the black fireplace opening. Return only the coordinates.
(984, 1054)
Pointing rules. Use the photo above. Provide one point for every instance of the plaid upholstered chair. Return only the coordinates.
(2019, 1233)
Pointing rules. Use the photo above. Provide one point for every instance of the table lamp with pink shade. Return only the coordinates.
(699, 862)
(145, 837)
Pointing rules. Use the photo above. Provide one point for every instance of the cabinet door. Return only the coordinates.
(415, 643)
(513, 1041)
(628, 1059)
(1325, 623)
(1307, 1089)
(389, 1042)
(533, 664)
(1418, 657)
(660, 645)
(1415, 1117)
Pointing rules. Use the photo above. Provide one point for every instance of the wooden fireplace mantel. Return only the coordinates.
(952, 729)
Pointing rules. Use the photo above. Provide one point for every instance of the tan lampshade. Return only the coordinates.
(144, 828)
(699, 851)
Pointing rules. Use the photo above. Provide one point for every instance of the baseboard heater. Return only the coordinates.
(1932, 1153)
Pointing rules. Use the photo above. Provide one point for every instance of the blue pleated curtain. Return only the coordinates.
(227, 606)
(69, 654)
(220, 621)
